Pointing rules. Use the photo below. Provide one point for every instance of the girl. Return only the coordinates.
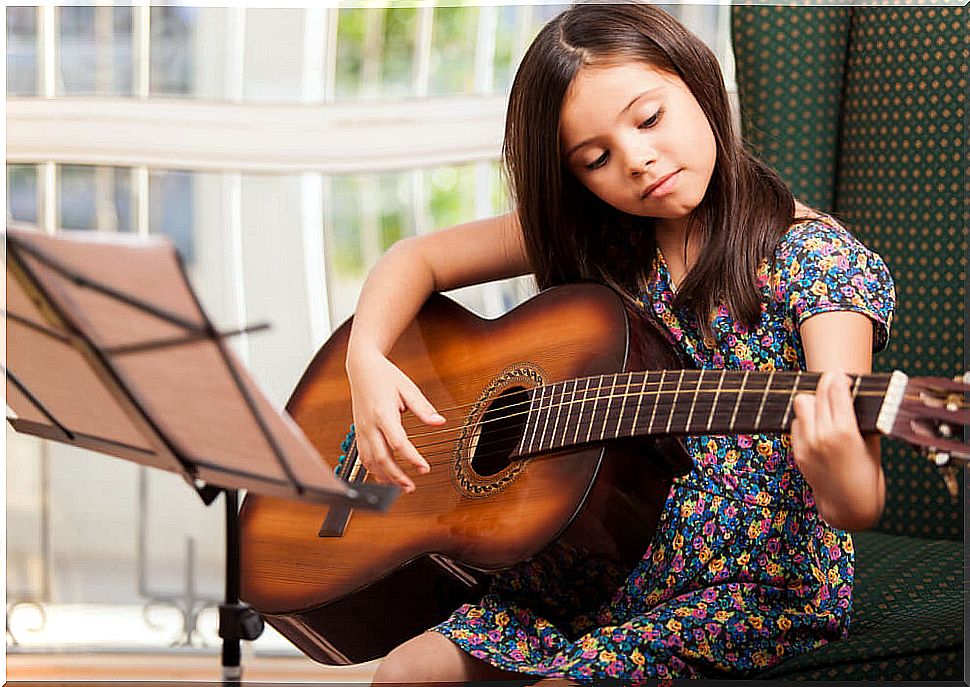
(625, 169)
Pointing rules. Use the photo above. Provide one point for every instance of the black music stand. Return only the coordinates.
(108, 349)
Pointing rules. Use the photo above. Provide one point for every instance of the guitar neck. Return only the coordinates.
(679, 402)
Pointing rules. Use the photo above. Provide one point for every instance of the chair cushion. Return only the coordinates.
(902, 583)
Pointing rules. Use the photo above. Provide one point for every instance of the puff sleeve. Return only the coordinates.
(823, 268)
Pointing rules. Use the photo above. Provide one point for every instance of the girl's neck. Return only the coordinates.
(679, 248)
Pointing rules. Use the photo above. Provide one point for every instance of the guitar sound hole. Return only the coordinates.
(500, 431)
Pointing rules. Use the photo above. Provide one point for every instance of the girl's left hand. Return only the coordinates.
(833, 456)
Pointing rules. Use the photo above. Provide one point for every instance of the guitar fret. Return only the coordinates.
(548, 409)
(589, 431)
(569, 413)
(855, 387)
(717, 395)
(623, 398)
(737, 402)
(535, 427)
(791, 397)
(673, 404)
(764, 397)
(640, 401)
(690, 414)
(579, 420)
(609, 404)
(555, 425)
(656, 400)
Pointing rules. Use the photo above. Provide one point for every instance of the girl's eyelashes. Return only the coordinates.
(652, 119)
(647, 123)
(598, 162)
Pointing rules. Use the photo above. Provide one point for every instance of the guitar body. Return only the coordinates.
(389, 576)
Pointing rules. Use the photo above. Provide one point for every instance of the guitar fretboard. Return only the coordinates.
(677, 402)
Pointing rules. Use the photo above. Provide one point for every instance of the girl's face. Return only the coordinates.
(637, 138)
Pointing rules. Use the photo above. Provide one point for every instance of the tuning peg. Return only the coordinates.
(950, 479)
(939, 458)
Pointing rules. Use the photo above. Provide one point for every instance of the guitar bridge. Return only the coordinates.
(336, 521)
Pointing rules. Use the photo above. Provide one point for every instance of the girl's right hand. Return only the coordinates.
(381, 392)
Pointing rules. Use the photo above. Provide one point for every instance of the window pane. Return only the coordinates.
(22, 196)
(500, 196)
(453, 50)
(275, 280)
(76, 197)
(194, 209)
(172, 50)
(189, 51)
(505, 48)
(352, 25)
(369, 213)
(22, 51)
(451, 198)
(274, 54)
(95, 198)
(95, 50)
(397, 65)
(171, 209)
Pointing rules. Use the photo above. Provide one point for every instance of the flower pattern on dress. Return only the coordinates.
(741, 573)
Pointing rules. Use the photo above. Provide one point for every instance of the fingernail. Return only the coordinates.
(438, 417)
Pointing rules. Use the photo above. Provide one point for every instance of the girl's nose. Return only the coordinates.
(638, 159)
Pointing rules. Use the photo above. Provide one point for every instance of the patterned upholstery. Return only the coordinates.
(801, 141)
(862, 111)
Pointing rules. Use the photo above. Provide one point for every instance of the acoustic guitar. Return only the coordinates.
(562, 418)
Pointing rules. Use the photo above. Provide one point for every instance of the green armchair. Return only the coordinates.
(862, 111)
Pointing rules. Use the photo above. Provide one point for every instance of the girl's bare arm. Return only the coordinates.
(842, 466)
(392, 295)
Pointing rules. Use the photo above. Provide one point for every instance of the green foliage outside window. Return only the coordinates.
(451, 195)
(397, 65)
(453, 50)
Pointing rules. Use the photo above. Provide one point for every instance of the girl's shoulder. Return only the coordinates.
(814, 232)
(820, 266)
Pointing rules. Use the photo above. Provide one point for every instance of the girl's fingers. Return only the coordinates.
(804, 406)
(840, 402)
(397, 440)
(381, 463)
(415, 401)
(823, 406)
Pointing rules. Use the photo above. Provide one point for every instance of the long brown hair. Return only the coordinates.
(571, 234)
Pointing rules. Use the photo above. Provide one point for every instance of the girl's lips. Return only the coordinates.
(662, 187)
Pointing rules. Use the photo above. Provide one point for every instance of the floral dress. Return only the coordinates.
(741, 573)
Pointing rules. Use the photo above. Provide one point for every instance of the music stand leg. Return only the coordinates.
(236, 620)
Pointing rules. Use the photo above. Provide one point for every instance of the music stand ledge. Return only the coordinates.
(109, 349)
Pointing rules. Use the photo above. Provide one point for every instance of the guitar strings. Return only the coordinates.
(771, 405)
(496, 438)
(646, 383)
(436, 429)
(700, 407)
(639, 388)
(449, 434)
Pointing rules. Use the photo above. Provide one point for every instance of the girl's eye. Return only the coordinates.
(651, 120)
(598, 162)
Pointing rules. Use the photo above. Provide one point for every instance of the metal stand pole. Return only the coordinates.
(236, 620)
